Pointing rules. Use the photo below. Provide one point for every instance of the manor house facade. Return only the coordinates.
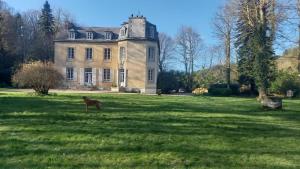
(107, 57)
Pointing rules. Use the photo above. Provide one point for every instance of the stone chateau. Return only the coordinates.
(110, 58)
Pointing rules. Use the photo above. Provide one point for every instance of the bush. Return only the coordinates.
(286, 81)
(200, 91)
(222, 90)
(170, 81)
(41, 76)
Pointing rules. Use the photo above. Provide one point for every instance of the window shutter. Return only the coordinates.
(154, 55)
(100, 75)
(81, 76)
(111, 75)
(94, 76)
(117, 77)
(74, 74)
(64, 72)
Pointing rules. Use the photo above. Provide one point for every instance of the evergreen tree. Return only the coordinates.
(47, 28)
(254, 42)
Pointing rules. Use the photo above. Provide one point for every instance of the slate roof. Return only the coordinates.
(99, 34)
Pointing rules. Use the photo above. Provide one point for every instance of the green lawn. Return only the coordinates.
(139, 131)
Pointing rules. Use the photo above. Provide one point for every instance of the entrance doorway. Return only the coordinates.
(122, 77)
(88, 75)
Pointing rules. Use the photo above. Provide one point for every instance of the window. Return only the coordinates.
(72, 35)
(70, 73)
(151, 54)
(106, 75)
(108, 35)
(70, 53)
(122, 32)
(122, 75)
(89, 53)
(88, 75)
(89, 35)
(106, 54)
(150, 75)
(122, 53)
(151, 32)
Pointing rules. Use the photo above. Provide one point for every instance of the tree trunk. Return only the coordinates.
(262, 93)
(227, 51)
(299, 48)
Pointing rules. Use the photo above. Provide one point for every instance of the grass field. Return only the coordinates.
(139, 131)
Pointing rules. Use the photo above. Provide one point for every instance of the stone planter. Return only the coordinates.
(272, 102)
(114, 89)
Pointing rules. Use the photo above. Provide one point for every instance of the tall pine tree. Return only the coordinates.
(47, 30)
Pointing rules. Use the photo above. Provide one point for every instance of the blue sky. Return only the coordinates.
(168, 15)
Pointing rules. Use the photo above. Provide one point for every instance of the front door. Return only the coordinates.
(88, 75)
(122, 78)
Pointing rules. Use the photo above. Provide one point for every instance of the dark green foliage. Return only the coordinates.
(219, 91)
(256, 60)
(47, 28)
(213, 75)
(223, 90)
(286, 81)
(46, 21)
(171, 80)
(264, 63)
(26, 37)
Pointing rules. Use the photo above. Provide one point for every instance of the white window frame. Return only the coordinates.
(151, 54)
(71, 53)
(89, 35)
(87, 74)
(122, 53)
(122, 75)
(106, 75)
(107, 54)
(108, 35)
(150, 75)
(70, 73)
(72, 35)
(88, 53)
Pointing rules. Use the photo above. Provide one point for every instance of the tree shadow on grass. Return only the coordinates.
(47, 117)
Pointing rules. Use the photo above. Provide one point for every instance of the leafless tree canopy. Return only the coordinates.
(189, 44)
(167, 47)
(41, 76)
(224, 23)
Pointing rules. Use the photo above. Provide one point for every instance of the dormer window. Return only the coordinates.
(151, 32)
(89, 35)
(123, 31)
(108, 35)
(72, 35)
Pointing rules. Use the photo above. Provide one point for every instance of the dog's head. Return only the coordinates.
(84, 97)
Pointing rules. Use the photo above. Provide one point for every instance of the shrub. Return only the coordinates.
(200, 91)
(286, 81)
(41, 76)
(223, 90)
(220, 91)
(170, 81)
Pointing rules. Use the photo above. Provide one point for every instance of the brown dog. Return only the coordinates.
(89, 102)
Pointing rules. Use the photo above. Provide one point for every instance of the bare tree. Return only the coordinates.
(166, 45)
(189, 45)
(63, 20)
(224, 26)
